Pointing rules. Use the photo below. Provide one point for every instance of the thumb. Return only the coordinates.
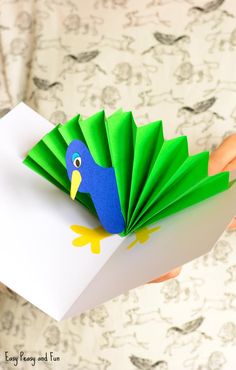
(224, 157)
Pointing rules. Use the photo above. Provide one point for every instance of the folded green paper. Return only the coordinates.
(154, 177)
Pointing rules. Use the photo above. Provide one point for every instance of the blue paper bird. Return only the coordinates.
(87, 176)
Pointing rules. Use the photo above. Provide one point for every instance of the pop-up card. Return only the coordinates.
(98, 206)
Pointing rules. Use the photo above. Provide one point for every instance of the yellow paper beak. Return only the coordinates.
(75, 183)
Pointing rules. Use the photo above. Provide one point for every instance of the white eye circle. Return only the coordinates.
(77, 162)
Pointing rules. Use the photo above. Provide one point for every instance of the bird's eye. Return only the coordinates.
(76, 159)
(77, 162)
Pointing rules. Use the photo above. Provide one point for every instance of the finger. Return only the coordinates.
(232, 224)
(223, 155)
(169, 275)
(231, 166)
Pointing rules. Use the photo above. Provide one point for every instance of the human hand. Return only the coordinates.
(222, 159)
(169, 275)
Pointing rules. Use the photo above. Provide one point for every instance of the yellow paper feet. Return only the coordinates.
(96, 235)
(143, 235)
(89, 236)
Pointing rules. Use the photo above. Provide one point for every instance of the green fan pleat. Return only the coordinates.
(121, 131)
(193, 170)
(71, 130)
(171, 156)
(149, 137)
(155, 177)
(94, 131)
(47, 158)
(205, 189)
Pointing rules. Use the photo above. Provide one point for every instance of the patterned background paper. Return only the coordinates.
(164, 59)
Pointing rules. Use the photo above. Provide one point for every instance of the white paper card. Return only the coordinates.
(37, 258)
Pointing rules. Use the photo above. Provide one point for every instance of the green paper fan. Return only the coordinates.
(155, 177)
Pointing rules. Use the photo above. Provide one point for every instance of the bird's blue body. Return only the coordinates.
(99, 182)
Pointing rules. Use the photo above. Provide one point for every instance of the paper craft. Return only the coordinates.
(46, 238)
(131, 174)
(99, 182)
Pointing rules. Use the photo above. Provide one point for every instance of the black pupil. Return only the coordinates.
(77, 162)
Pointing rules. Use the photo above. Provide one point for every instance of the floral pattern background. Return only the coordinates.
(163, 59)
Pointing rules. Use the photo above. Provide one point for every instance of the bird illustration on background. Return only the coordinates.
(146, 364)
(209, 7)
(166, 39)
(87, 176)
